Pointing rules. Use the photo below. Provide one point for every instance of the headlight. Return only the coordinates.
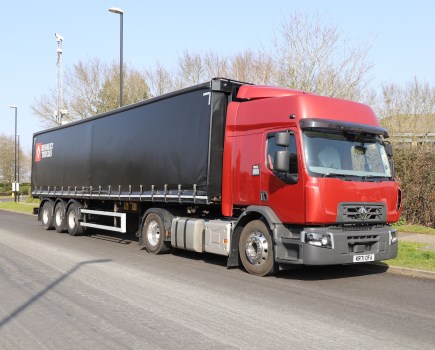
(319, 239)
(393, 236)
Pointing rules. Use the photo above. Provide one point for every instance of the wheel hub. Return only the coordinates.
(45, 216)
(257, 248)
(71, 219)
(153, 233)
(58, 218)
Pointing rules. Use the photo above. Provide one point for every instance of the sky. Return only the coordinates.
(402, 34)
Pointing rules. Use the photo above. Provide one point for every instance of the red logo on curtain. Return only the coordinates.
(38, 152)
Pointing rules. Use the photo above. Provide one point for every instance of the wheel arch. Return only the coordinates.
(61, 200)
(253, 212)
(77, 230)
(41, 204)
(70, 202)
(166, 217)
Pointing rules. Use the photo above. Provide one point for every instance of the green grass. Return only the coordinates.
(20, 207)
(32, 200)
(413, 255)
(415, 229)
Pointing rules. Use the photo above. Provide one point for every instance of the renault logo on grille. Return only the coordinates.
(363, 213)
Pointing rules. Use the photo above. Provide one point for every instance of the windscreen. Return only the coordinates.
(331, 153)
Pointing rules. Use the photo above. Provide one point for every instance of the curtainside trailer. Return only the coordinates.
(269, 177)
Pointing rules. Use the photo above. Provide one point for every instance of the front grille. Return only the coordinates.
(361, 213)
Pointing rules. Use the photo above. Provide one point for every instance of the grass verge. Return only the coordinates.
(20, 207)
(415, 229)
(413, 255)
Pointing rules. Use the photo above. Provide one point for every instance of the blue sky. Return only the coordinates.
(402, 32)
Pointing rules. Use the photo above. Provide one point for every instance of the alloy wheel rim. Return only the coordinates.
(71, 219)
(153, 233)
(256, 248)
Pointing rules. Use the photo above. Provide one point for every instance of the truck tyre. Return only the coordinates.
(256, 249)
(153, 234)
(47, 215)
(72, 220)
(59, 217)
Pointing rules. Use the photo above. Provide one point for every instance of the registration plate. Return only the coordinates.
(364, 258)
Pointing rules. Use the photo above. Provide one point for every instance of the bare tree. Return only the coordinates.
(91, 87)
(310, 54)
(160, 80)
(45, 108)
(241, 66)
(215, 66)
(83, 83)
(403, 109)
(253, 67)
(190, 69)
(135, 89)
(7, 161)
(193, 69)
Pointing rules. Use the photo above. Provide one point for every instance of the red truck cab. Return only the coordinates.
(317, 170)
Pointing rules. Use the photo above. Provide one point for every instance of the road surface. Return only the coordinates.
(104, 292)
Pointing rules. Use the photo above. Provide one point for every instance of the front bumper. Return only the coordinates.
(346, 243)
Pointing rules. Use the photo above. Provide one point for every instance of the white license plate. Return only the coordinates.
(364, 258)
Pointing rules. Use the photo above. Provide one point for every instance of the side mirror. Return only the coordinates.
(282, 161)
(391, 162)
(282, 139)
(388, 149)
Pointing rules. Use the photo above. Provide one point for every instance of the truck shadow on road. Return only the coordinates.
(208, 258)
(304, 273)
(319, 273)
(120, 238)
(111, 238)
(52, 285)
(296, 272)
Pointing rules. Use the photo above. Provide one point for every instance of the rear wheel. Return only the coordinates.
(59, 217)
(256, 249)
(47, 215)
(73, 219)
(153, 234)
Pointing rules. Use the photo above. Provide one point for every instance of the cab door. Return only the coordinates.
(246, 169)
(283, 191)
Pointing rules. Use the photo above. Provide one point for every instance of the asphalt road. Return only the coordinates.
(103, 292)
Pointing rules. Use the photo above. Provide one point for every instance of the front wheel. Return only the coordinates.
(256, 249)
(153, 234)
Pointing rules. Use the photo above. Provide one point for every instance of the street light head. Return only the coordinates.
(12, 106)
(116, 10)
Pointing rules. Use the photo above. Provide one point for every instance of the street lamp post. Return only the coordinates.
(121, 76)
(18, 167)
(15, 167)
